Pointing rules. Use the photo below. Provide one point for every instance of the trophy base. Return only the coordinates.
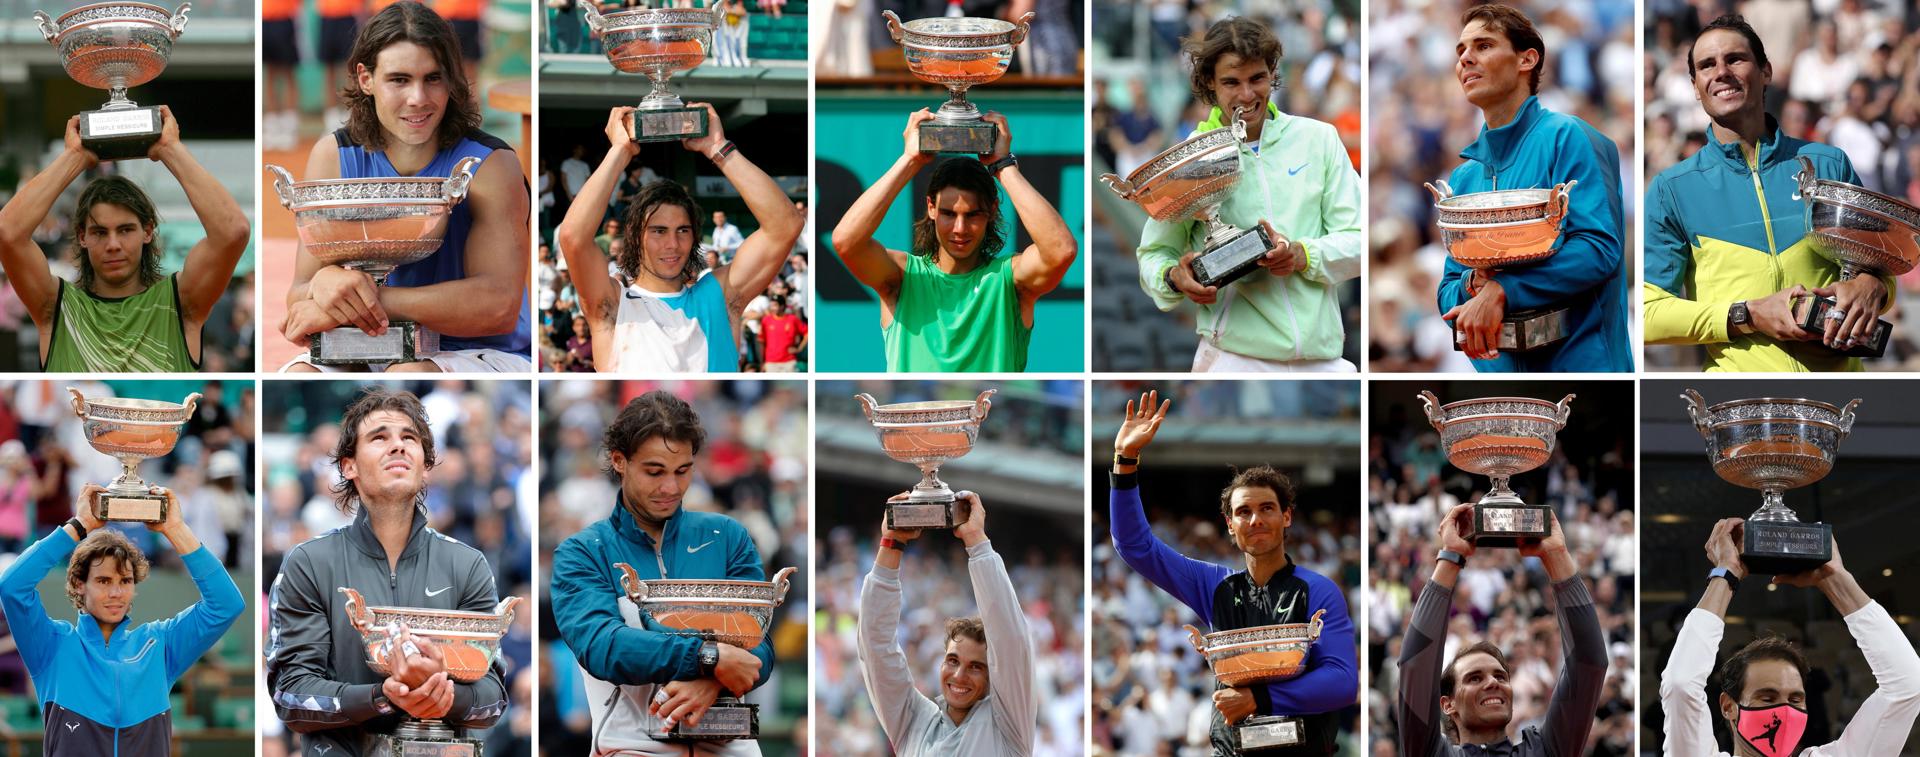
(726, 720)
(1262, 732)
(415, 739)
(667, 124)
(1811, 312)
(1506, 526)
(1524, 331)
(404, 342)
(972, 139)
(1224, 264)
(915, 515)
(120, 134)
(130, 508)
(1775, 548)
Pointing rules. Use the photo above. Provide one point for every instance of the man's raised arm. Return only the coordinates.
(597, 291)
(25, 264)
(759, 258)
(1040, 268)
(869, 261)
(210, 264)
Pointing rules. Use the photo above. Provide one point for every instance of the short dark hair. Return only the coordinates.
(970, 628)
(1258, 476)
(1519, 32)
(966, 175)
(100, 545)
(1448, 679)
(1245, 37)
(409, 21)
(372, 399)
(121, 191)
(656, 413)
(1732, 22)
(655, 195)
(1733, 672)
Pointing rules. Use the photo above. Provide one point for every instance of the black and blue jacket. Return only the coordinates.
(108, 696)
(1227, 599)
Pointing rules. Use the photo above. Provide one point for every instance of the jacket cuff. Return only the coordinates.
(356, 702)
(980, 551)
(462, 702)
(1124, 480)
(1719, 331)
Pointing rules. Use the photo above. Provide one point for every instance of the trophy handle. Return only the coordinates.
(79, 402)
(1432, 405)
(192, 401)
(456, 186)
(1314, 625)
(595, 22)
(1239, 127)
(1199, 640)
(357, 612)
(1566, 408)
(719, 14)
(1804, 179)
(1021, 27)
(1697, 410)
(178, 24)
(505, 609)
(982, 404)
(1439, 189)
(1557, 204)
(1846, 418)
(630, 581)
(1119, 186)
(282, 185)
(47, 29)
(893, 26)
(782, 581)
(866, 404)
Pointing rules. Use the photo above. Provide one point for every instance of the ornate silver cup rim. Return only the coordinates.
(137, 412)
(1709, 417)
(653, 18)
(923, 414)
(1853, 196)
(697, 591)
(1236, 639)
(1500, 207)
(397, 191)
(1442, 415)
(958, 34)
(55, 28)
(364, 617)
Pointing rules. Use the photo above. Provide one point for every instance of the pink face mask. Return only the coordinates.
(1772, 731)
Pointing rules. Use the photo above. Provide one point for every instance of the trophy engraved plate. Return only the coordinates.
(115, 46)
(1257, 656)
(468, 642)
(1811, 313)
(1500, 437)
(131, 431)
(958, 53)
(1775, 444)
(926, 434)
(1188, 182)
(1862, 231)
(736, 613)
(373, 226)
(1524, 331)
(658, 43)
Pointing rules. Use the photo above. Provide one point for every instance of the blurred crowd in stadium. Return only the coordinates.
(1845, 73)
(1421, 121)
(753, 468)
(479, 493)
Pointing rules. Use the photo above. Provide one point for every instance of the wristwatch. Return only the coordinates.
(381, 703)
(1739, 321)
(78, 527)
(995, 167)
(1119, 459)
(709, 658)
(1733, 581)
(1451, 556)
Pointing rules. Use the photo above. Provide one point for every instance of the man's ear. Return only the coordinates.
(363, 77)
(1446, 706)
(1729, 709)
(619, 462)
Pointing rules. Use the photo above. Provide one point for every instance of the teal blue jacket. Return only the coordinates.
(1539, 150)
(586, 592)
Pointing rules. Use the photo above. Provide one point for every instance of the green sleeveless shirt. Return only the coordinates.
(136, 334)
(951, 323)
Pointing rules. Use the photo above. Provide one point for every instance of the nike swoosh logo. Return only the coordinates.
(1293, 171)
(443, 590)
(71, 726)
(1283, 611)
(691, 550)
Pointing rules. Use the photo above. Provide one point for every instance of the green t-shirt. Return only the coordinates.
(953, 323)
(141, 333)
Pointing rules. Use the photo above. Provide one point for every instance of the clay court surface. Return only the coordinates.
(276, 258)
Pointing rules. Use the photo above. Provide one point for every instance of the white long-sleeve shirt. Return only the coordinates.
(1002, 722)
(1880, 727)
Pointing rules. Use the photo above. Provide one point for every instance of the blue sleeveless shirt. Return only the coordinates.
(448, 264)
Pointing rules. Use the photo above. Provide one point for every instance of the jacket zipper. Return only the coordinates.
(1753, 167)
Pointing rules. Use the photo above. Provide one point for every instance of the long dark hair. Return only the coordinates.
(346, 495)
(121, 191)
(652, 197)
(966, 175)
(408, 21)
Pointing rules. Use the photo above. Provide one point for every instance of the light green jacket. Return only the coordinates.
(1302, 183)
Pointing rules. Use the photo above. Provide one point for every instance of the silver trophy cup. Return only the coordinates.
(1774, 444)
(131, 431)
(1499, 437)
(926, 434)
(1190, 181)
(658, 43)
(373, 226)
(957, 53)
(114, 46)
(468, 643)
(1255, 657)
(736, 613)
(1485, 231)
(1862, 231)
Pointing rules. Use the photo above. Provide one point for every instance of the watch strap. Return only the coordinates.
(996, 166)
(1119, 459)
(78, 527)
(1451, 556)
(1733, 581)
(888, 542)
(709, 658)
(382, 703)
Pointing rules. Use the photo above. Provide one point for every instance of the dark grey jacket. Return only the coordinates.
(316, 662)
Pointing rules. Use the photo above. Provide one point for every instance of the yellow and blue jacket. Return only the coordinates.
(1724, 227)
(1538, 150)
